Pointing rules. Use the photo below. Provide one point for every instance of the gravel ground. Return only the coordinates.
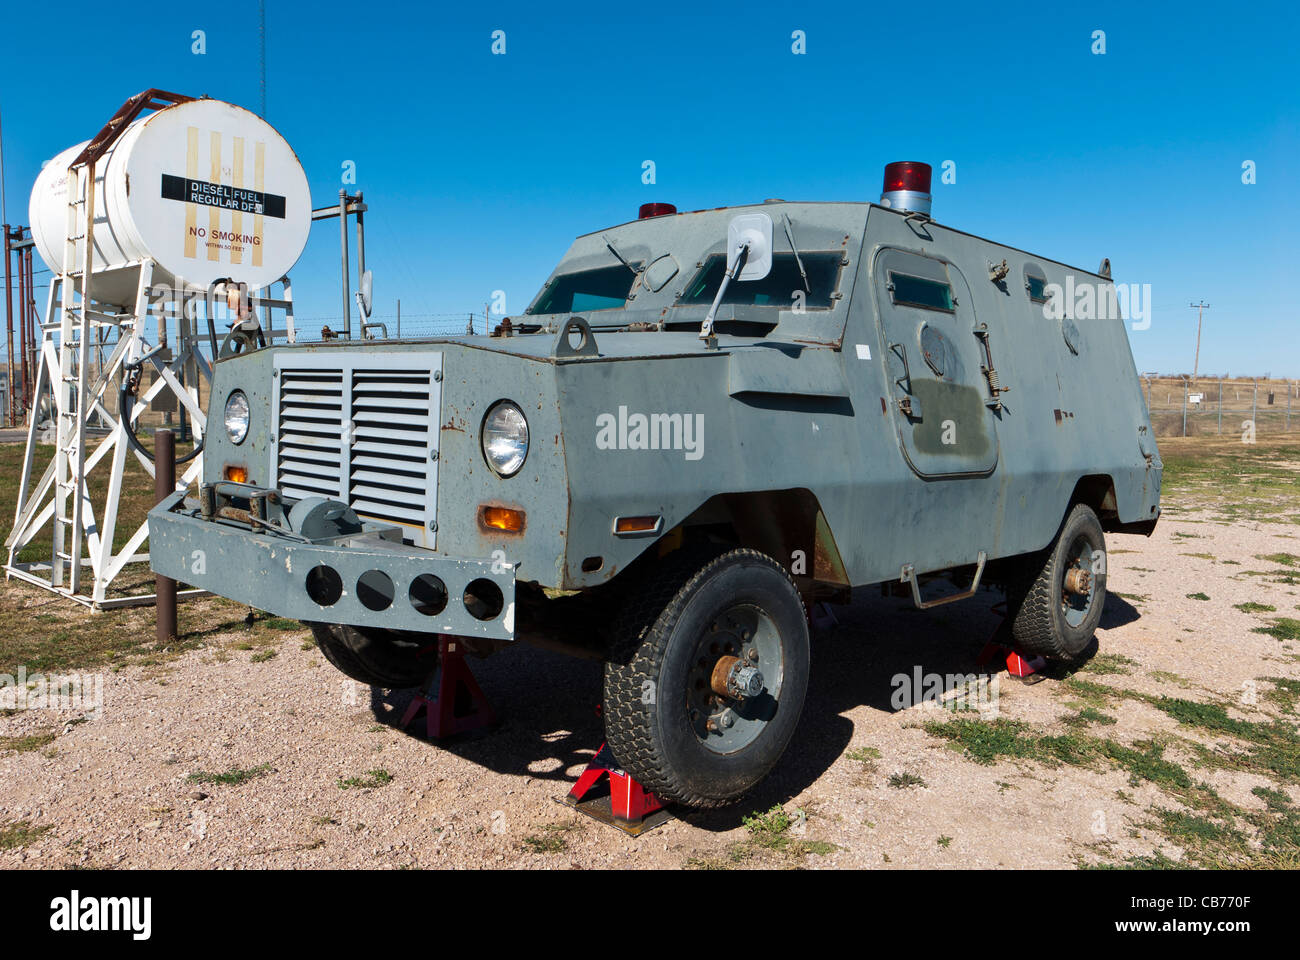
(119, 790)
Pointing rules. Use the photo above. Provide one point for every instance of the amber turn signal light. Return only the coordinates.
(502, 518)
(636, 524)
(236, 474)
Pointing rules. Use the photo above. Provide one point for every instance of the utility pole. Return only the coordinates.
(261, 54)
(1200, 308)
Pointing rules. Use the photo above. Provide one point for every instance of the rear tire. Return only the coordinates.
(1048, 617)
(664, 721)
(380, 658)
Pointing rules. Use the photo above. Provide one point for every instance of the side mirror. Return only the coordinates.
(751, 232)
(749, 257)
(365, 294)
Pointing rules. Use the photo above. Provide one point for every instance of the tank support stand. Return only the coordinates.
(625, 804)
(452, 702)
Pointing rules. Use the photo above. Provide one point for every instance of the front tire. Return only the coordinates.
(1057, 603)
(380, 658)
(694, 625)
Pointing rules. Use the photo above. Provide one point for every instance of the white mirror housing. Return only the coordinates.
(754, 229)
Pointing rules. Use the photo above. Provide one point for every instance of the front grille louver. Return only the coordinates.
(361, 432)
(310, 439)
(390, 447)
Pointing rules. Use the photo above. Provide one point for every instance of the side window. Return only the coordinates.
(923, 292)
(606, 288)
(1035, 283)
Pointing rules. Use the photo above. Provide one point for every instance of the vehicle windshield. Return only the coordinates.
(605, 288)
(780, 288)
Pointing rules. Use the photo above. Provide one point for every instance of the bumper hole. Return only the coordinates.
(375, 590)
(592, 564)
(428, 595)
(324, 585)
(483, 599)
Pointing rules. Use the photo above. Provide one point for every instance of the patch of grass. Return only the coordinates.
(734, 854)
(20, 834)
(370, 780)
(901, 781)
(1197, 596)
(1250, 606)
(867, 756)
(985, 742)
(1285, 692)
(232, 777)
(279, 623)
(1286, 559)
(1109, 663)
(1282, 628)
(33, 741)
(770, 831)
(1199, 556)
(1165, 676)
(944, 841)
(1097, 694)
(1145, 761)
(1089, 715)
(1275, 800)
(270, 653)
(1186, 828)
(550, 840)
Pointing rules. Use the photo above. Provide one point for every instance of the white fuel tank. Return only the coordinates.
(205, 189)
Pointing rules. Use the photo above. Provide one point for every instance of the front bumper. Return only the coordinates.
(270, 571)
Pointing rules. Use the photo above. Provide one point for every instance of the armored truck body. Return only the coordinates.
(704, 424)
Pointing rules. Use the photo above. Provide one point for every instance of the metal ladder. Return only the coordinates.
(75, 335)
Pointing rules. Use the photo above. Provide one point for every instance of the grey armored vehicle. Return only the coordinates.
(704, 424)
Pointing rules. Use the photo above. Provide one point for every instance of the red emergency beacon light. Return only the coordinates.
(649, 210)
(907, 186)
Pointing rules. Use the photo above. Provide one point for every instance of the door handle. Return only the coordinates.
(996, 389)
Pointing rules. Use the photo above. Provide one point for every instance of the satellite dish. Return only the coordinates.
(365, 293)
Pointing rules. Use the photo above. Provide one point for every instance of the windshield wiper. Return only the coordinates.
(789, 235)
(621, 258)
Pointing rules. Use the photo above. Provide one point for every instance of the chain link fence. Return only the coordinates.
(1183, 406)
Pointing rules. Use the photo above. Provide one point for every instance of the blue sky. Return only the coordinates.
(480, 169)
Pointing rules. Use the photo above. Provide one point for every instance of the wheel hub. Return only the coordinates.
(736, 679)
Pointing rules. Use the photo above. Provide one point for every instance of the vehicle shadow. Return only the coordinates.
(549, 727)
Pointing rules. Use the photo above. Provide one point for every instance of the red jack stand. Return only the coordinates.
(1018, 665)
(453, 702)
(626, 804)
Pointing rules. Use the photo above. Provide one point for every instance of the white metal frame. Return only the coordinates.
(63, 493)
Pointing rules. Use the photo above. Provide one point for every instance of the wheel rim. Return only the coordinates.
(725, 724)
(1078, 582)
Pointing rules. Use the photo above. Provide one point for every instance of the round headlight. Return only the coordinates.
(237, 416)
(505, 438)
